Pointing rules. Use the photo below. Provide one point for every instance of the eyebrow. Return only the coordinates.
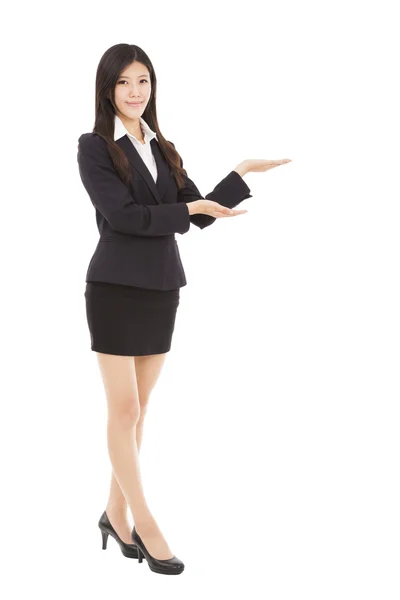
(126, 76)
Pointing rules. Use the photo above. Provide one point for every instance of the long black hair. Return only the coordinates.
(111, 65)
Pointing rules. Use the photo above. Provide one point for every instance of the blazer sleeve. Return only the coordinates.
(229, 192)
(113, 199)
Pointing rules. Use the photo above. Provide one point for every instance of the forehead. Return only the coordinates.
(135, 70)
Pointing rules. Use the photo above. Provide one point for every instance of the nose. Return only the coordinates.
(134, 92)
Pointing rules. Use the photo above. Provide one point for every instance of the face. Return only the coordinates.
(133, 85)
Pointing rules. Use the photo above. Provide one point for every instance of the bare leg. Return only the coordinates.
(120, 383)
(148, 369)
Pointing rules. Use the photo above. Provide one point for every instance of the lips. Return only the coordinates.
(134, 103)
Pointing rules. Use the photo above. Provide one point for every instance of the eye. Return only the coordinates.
(124, 81)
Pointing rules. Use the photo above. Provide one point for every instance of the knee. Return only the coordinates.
(128, 414)
(144, 400)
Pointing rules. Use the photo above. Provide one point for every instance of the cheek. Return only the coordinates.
(119, 94)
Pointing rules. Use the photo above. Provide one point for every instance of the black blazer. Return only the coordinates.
(137, 224)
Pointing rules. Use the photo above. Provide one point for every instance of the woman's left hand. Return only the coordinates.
(253, 165)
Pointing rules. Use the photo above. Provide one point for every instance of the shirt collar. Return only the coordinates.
(120, 130)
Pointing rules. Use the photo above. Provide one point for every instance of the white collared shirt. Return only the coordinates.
(144, 150)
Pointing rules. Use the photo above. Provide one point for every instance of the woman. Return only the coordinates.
(142, 197)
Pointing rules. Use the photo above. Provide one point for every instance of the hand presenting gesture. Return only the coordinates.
(259, 164)
(217, 210)
(213, 209)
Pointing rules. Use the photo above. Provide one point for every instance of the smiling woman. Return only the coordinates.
(134, 277)
(142, 196)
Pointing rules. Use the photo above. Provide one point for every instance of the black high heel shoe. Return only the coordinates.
(169, 566)
(128, 550)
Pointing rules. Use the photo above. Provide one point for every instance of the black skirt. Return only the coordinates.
(128, 320)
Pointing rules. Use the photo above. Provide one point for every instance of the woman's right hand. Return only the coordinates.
(213, 209)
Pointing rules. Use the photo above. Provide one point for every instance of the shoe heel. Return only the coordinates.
(104, 535)
(140, 554)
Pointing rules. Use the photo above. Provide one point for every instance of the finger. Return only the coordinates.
(234, 213)
(224, 209)
(219, 214)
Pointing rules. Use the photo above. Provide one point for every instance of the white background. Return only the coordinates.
(270, 455)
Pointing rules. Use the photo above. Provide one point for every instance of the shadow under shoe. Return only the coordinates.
(128, 550)
(168, 566)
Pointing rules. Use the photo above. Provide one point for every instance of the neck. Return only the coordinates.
(134, 128)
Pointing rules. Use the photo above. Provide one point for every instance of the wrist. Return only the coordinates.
(241, 169)
(192, 207)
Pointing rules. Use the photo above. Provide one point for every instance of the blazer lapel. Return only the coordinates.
(157, 188)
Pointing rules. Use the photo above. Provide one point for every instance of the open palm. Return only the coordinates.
(260, 164)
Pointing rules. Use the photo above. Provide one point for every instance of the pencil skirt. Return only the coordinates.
(129, 320)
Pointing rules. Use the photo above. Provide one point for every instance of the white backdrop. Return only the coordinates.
(270, 455)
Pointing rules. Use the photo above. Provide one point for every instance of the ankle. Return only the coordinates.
(118, 512)
(148, 529)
